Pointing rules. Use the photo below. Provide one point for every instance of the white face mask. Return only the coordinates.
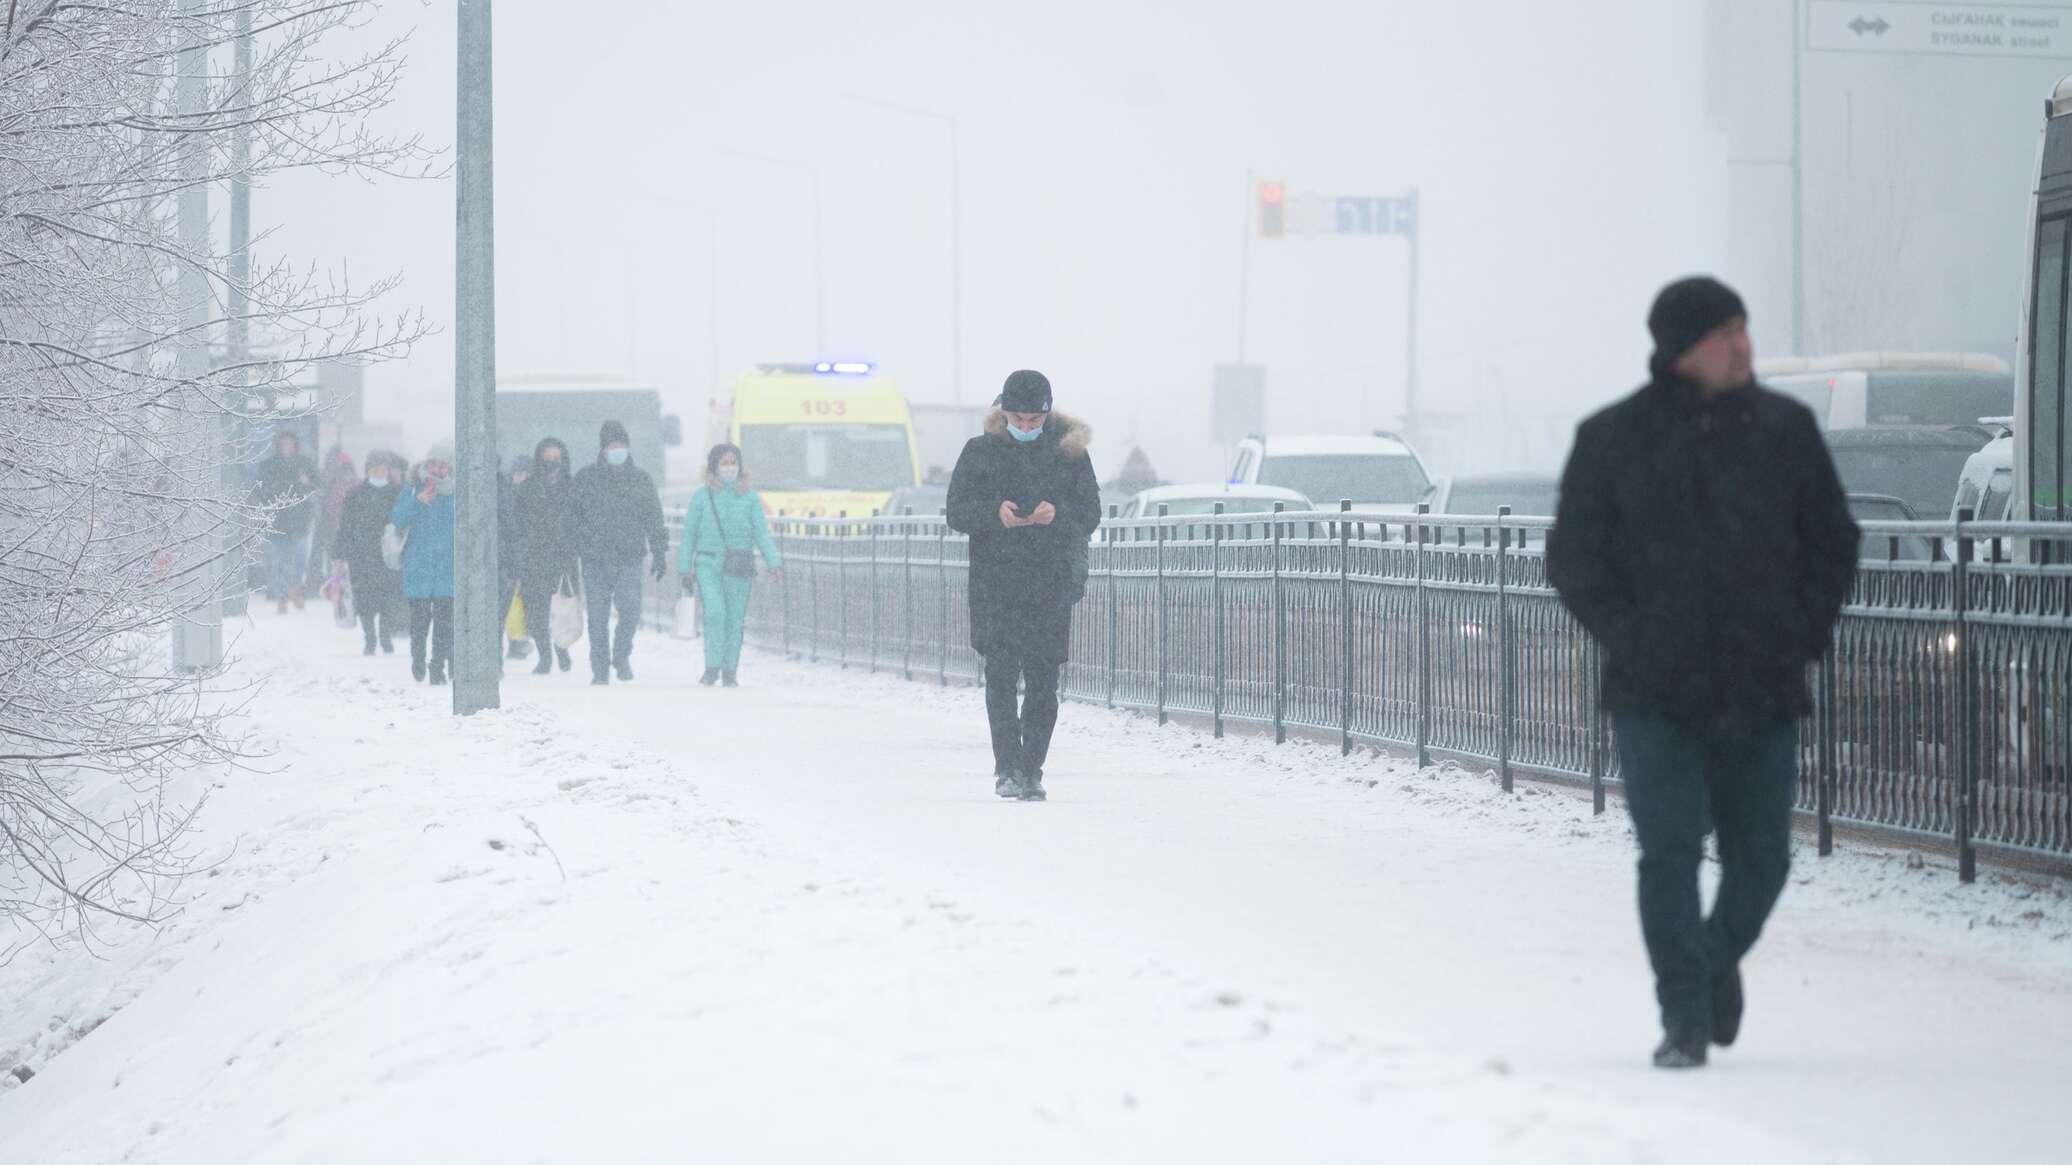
(378, 480)
(729, 474)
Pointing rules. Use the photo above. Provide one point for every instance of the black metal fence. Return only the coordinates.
(1945, 706)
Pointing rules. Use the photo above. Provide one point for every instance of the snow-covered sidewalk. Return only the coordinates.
(657, 922)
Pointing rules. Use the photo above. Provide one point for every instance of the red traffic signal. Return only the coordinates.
(1273, 221)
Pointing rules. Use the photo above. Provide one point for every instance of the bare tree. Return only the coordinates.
(116, 514)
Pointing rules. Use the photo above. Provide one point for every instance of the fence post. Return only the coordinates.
(1595, 689)
(1216, 604)
(1824, 751)
(1424, 646)
(1280, 636)
(1506, 663)
(812, 527)
(906, 570)
(942, 601)
(784, 584)
(873, 592)
(1965, 707)
(1345, 629)
(1114, 620)
(1163, 510)
(842, 590)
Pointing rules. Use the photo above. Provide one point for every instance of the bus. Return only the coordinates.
(2042, 483)
(1868, 390)
(821, 439)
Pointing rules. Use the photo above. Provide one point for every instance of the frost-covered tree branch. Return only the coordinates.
(119, 413)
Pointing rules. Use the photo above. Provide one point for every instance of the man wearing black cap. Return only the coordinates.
(1704, 540)
(618, 518)
(1025, 492)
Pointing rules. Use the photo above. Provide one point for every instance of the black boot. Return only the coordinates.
(438, 672)
(727, 679)
(561, 657)
(1727, 1002)
(1683, 1047)
(710, 677)
(624, 670)
(545, 665)
(417, 669)
(1008, 785)
(1032, 786)
(368, 649)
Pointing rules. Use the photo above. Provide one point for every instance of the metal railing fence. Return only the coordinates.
(1944, 707)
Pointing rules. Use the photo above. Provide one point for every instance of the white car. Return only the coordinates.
(1378, 472)
(1193, 500)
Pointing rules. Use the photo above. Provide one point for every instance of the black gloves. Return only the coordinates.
(661, 568)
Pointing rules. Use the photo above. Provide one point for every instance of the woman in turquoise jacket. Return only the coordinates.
(424, 515)
(724, 516)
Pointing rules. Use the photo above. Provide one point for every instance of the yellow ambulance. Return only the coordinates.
(820, 439)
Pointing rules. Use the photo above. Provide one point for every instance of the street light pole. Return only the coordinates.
(956, 231)
(477, 601)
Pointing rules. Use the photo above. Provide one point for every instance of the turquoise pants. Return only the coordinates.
(726, 611)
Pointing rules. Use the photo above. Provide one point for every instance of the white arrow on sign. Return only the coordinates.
(1963, 30)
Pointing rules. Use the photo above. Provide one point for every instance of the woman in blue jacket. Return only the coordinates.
(424, 516)
(723, 526)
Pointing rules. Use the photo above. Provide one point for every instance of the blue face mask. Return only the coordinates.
(1023, 437)
(616, 456)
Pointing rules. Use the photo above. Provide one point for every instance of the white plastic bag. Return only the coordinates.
(392, 541)
(565, 615)
(687, 615)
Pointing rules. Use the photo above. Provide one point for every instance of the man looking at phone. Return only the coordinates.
(1024, 490)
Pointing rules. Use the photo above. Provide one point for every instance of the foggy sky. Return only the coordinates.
(1562, 150)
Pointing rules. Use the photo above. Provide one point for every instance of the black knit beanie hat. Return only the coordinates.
(1026, 391)
(1684, 312)
(612, 433)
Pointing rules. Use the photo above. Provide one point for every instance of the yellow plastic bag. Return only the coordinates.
(514, 619)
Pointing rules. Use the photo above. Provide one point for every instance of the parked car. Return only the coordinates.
(1203, 498)
(1916, 464)
(1480, 495)
(1986, 484)
(920, 499)
(1378, 472)
(1882, 547)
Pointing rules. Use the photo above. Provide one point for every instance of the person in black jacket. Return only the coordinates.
(618, 519)
(1704, 540)
(1025, 492)
(545, 546)
(287, 484)
(363, 515)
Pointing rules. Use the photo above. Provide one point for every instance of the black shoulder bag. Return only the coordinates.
(735, 563)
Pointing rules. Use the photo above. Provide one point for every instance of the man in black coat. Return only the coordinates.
(618, 520)
(1704, 540)
(545, 545)
(1025, 492)
(377, 590)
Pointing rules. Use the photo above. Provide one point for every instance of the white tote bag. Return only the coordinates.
(392, 541)
(565, 615)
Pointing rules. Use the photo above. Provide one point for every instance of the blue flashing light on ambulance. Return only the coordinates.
(820, 439)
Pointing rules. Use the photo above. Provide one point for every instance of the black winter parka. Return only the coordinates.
(1025, 581)
(1706, 543)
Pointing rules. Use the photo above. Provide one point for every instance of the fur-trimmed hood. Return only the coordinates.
(1072, 434)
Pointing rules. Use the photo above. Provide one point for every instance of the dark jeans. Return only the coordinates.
(373, 623)
(1672, 775)
(608, 583)
(1021, 737)
(431, 618)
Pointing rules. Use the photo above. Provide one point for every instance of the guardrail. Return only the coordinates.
(1944, 707)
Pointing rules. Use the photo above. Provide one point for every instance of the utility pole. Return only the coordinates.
(197, 639)
(234, 593)
(1798, 179)
(477, 604)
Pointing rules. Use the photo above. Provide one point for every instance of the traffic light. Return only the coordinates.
(1273, 208)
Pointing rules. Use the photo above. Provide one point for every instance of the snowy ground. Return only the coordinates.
(661, 923)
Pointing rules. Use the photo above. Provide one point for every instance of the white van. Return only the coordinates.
(1987, 483)
(1867, 390)
(1378, 472)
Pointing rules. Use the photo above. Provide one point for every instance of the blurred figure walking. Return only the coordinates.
(287, 483)
(362, 516)
(1025, 492)
(424, 514)
(723, 528)
(618, 521)
(1704, 540)
(544, 525)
